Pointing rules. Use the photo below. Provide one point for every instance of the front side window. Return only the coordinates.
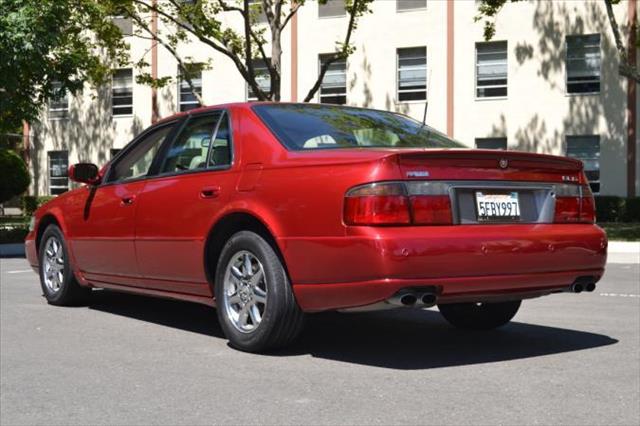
(412, 74)
(331, 9)
(491, 143)
(262, 78)
(583, 63)
(187, 100)
(491, 69)
(122, 92)
(318, 126)
(586, 148)
(59, 103)
(333, 89)
(137, 162)
(403, 5)
(58, 172)
(190, 149)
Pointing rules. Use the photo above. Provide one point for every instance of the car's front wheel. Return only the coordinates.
(58, 283)
(256, 306)
(479, 316)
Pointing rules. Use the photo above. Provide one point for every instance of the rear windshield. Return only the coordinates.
(313, 126)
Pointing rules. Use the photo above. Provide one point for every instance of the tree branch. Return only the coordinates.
(293, 11)
(625, 69)
(343, 53)
(183, 67)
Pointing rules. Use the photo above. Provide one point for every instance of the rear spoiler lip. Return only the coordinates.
(490, 154)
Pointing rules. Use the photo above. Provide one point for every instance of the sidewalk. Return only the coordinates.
(624, 252)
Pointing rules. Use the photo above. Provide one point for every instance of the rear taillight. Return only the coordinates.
(574, 204)
(397, 203)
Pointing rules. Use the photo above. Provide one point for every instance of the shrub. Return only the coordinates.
(13, 235)
(609, 208)
(14, 176)
(632, 210)
(31, 203)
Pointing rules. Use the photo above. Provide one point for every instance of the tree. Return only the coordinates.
(203, 20)
(489, 9)
(45, 49)
(14, 177)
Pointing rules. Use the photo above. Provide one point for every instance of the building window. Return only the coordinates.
(59, 103)
(412, 74)
(331, 9)
(58, 172)
(262, 78)
(491, 143)
(333, 89)
(403, 5)
(187, 100)
(122, 92)
(586, 148)
(255, 6)
(124, 24)
(491, 69)
(583, 63)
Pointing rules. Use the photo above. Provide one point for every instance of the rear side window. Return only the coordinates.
(302, 127)
(190, 149)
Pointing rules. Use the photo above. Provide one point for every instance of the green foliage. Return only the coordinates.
(617, 209)
(14, 177)
(621, 231)
(31, 203)
(48, 42)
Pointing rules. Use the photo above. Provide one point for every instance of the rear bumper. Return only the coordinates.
(370, 264)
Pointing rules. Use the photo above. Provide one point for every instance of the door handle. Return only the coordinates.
(127, 200)
(210, 192)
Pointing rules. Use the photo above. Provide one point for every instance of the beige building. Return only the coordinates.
(548, 83)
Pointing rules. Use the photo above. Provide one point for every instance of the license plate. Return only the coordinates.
(497, 206)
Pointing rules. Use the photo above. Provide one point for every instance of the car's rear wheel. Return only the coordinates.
(256, 306)
(479, 316)
(58, 283)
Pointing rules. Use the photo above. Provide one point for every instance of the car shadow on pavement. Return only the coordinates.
(399, 339)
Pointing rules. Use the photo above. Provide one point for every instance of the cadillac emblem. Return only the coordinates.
(504, 163)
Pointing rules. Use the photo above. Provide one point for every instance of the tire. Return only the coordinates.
(255, 303)
(59, 285)
(479, 316)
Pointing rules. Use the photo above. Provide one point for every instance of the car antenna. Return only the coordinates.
(426, 104)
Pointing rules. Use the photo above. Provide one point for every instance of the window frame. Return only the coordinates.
(179, 129)
(59, 113)
(475, 69)
(344, 15)
(49, 177)
(346, 82)
(417, 9)
(426, 71)
(248, 88)
(130, 114)
(566, 68)
(494, 138)
(566, 154)
(179, 90)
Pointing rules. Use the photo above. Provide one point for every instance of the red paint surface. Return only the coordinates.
(156, 243)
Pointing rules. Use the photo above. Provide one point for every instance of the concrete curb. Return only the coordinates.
(624, 247)
(12, 250)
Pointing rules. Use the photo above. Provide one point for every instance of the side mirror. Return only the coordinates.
(84, 173)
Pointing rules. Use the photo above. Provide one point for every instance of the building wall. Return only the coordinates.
(536, 114)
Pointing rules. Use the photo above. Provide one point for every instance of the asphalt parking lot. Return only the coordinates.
(566, 359)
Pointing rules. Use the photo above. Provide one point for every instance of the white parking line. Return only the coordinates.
(21, 271)
(619, 295)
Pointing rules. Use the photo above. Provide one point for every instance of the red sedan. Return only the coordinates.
(269, 211)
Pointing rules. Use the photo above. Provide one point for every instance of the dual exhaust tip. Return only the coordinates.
(580, 287)
(414, 299)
